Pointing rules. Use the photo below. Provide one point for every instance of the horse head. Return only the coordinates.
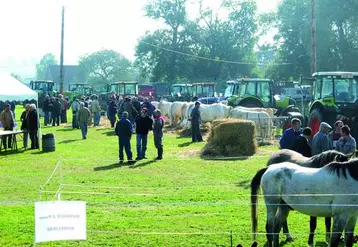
(340, 157)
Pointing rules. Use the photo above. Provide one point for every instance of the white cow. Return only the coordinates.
(262, 120)
(186, 110)
(175, 112)
(270, 111)
(155, 104)
(164, 107)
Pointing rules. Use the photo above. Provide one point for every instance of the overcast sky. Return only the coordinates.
(31, 28)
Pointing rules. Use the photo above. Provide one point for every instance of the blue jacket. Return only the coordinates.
(288, 138)
(124, 129)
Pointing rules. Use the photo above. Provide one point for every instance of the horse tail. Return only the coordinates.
(255, 186)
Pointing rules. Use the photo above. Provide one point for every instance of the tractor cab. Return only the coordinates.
(204, 92)
(81, 88)
(181, 92)
(232, 87)
(335, 97)
(45, 87)
(123, 88)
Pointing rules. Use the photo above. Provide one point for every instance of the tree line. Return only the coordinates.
(222, 44)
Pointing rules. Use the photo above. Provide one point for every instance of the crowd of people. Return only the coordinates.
(299, 140)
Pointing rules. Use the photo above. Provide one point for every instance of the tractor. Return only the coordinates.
(80, 89)
(154, 91)
(124, 88)
(205, 92)
(231, 87)
(181, 92)
(335, 97)
(254, 92)
(43, 88)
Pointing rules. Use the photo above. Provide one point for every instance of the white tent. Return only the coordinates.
(11, 89)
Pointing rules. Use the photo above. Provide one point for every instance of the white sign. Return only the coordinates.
(60, 220)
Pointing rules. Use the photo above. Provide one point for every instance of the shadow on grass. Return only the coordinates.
(185, 144)
(282, 243)
(244, 184)
(68, 141)
(65, 129)
(10, 152)
(206, 157)
(112, 166)
(109, 133)
(142, 164)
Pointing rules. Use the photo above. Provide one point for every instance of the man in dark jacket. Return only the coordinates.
(289, 136)
(158, 133)
(149, 107)
(143, 124)
(302, 143)
(195, 119)
(124, 132)
(33, 127)
(47, 108)
(56, 112)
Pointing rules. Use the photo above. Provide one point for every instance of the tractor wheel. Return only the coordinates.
(315, 121)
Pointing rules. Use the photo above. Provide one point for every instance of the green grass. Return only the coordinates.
(179, 201)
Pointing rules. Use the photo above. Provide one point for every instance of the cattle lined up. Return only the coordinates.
(178, 114)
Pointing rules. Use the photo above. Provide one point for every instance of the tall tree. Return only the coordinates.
(41, 68)
(158, 46)
(106, 66)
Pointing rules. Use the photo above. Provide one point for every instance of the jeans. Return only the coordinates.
(96, 118)
(63, 116)
(126, 145)
(141, 145)
(26, 138)
(55, 119)
(83, 129)
(47, 118)
(74, 121)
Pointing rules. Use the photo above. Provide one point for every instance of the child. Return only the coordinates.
(158, 133)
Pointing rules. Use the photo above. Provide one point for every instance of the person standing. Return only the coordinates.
(75, 108)
(112, 110)
(47, 108)
(302, 143)
(195, 119)
(8, 122)
(83, 116)
(335, 134)
(56, 112)
(33, 125)
(289, 135)
(158, 133)
(24, 121)
(96, 111)
(320, 141)
(124, 132)
(63, 108)
(346, 144)
(143, 125)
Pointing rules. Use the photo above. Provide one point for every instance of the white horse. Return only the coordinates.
(330, 191)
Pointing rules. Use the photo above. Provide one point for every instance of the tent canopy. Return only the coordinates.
(12, 89)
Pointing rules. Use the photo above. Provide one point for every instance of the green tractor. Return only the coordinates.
(335, 97)
(254, 92)
(80, 89)
(43, 88)
(231, 88)
(181, 92)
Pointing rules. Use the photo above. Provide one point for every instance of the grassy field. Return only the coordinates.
(180, 201)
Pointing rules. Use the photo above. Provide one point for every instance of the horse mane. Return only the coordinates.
(325, 158)
(342, 167)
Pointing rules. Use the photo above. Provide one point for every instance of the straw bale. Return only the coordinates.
(231, 137)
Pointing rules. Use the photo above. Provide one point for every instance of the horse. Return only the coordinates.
(287, 186)
(317, 161)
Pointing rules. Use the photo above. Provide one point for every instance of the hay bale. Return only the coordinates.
(231, 137)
